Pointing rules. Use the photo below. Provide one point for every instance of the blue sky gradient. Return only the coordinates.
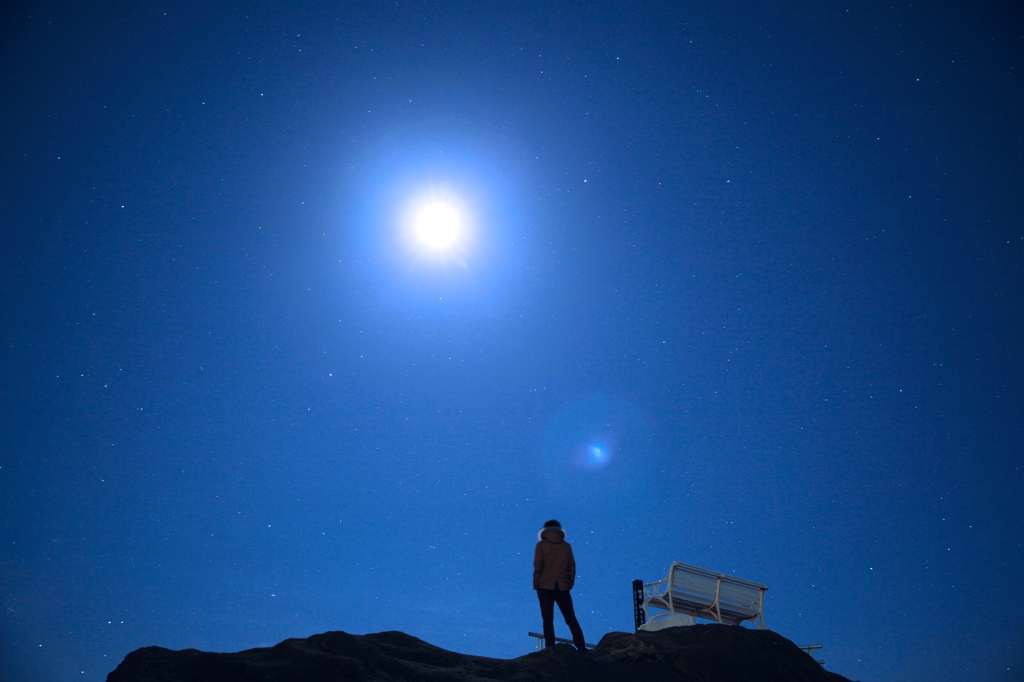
(767, 259)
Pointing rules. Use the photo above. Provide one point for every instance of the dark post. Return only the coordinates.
(639, 617)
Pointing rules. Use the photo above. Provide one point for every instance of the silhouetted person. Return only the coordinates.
(554, 573)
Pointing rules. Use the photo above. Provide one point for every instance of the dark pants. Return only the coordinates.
(548, 599)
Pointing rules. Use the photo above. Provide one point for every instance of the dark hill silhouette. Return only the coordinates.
(698, 653)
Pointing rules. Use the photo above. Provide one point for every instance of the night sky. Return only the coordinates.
(735, 284)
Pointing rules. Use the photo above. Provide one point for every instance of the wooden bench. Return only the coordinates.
(689, 592)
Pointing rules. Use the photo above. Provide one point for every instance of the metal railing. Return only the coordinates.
(806, 648)
(558, 640)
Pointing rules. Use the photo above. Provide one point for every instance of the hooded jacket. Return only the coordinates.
(553, 561)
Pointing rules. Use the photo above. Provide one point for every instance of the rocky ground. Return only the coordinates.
(699, 653)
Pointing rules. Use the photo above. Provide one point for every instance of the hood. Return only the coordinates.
(551, 534)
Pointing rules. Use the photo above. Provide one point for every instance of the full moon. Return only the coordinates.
(438, 226)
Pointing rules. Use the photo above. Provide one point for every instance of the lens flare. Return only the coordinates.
(597, 456)
(597, 452)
